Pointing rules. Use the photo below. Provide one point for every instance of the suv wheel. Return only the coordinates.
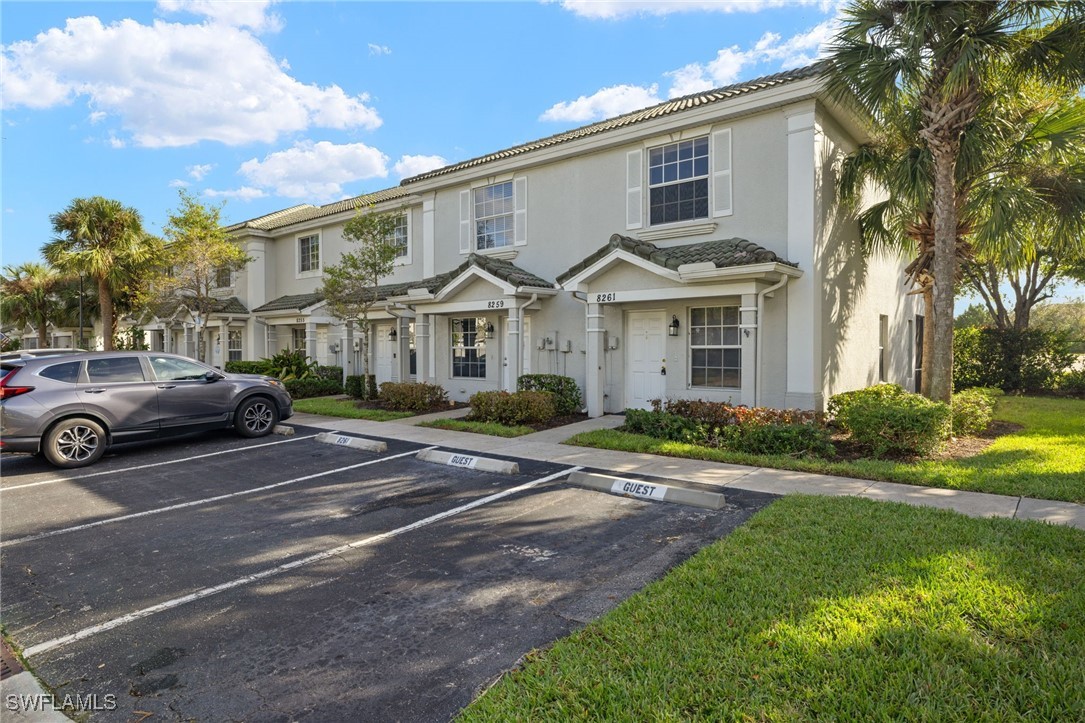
(74, 443)
(256, 417)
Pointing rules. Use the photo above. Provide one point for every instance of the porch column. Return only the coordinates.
(593, 370)
(310, 339)
(224, 341)
(513, 347)
(748, 331)
(403, 349)
(422, 346)
(348, 351)
(190, 341)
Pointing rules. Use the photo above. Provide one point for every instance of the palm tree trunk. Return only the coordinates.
(43, 322)
(105, 306)
(945, 272)
(928, 341)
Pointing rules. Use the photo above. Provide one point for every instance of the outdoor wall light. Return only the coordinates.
(489, 331)
(672, 328)
(392, 336)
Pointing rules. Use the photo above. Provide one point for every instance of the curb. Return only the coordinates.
(647, 490)
(342, 440)
(466, 461)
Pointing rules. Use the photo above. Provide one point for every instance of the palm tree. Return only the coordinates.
(940, 59)
(104, 240)
(31, 296)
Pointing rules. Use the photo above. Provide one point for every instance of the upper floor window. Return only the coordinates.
(308, 253)
(678, 181)
(494, 216)
(223, 278)
(400, 237)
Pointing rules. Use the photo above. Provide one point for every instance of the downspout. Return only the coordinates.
(759, 343)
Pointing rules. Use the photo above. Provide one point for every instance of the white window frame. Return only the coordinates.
(638, 185)
(294, 336)
(233, 335)
(516, 233)
(680, 180)
(721, 346)
(404, 258)
(311, 272)
(229, 274)
(479, 333)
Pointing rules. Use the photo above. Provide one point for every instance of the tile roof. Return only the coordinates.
(506, 271)
(656, 111)
(232, 305)
(308, 212)
(723, 253)
(288, 303)
(166, 309)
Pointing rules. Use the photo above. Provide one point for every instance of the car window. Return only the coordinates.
(67, 372)
(176, 370)
(115, 369)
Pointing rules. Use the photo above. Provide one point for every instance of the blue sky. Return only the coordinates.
(264, 105)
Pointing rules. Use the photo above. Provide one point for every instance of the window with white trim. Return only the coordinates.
(233, 345)
(715, 350)
(495, 223)
(468, 341)
(400, 237)
(297, 336)
(678, 181)
(223, 277)
(309, 253)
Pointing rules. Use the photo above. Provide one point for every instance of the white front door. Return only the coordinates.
(644, 360)
(385, 351)
(216, 350)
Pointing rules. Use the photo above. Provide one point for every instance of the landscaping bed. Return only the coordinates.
(476, 426)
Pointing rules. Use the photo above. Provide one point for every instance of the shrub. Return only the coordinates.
(971, 411)
(1072, 382)
(901, 423)
(356, 390)
(512, 409)
(567, 398)
(412, 396)
(329, 372)
(1011, 360)
(287, 365)
(312, 387)
(716, 415)
(840, 403)
(796, 440)
(663, 425)
(247, 367)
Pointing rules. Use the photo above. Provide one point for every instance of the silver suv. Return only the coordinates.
(71, 408)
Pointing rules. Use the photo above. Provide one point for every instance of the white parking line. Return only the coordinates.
(238, 582)
(194, 503)
(153, 464)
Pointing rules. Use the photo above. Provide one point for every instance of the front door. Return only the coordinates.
(216, 350)
(385, 353)
(644, 360)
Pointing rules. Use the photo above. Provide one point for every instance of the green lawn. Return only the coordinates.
(330, 407)
(832, 609)
(1045, 459)
(491, 428)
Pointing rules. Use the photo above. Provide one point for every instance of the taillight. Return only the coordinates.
(7, 391)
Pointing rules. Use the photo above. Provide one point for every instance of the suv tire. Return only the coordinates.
(74, 443)
(256, 417)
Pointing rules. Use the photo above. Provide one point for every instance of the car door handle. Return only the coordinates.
(93, 391)
(167, 386)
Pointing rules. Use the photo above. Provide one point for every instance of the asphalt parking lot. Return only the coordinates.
(221, 578)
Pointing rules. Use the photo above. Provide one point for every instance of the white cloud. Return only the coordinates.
(245, 193)
(408, 166)
(616, 9)
(315, 171)
(604, 103)
(200, 170)
(167, 83)
(375, 49)
(251, 14)
(178, 183)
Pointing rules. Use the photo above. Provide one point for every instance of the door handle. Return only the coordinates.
(93, 391)
(167, 386)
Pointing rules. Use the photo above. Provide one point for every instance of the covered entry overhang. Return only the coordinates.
(656, 298)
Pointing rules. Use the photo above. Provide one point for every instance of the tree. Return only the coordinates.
(104, 240)
(350, 287)
(941, 58)
(32, 296)
(197, 249)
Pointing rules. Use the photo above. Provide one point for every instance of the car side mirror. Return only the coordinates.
(211, 375)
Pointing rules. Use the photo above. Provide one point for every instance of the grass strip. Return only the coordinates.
(330, 407)
(1044, 460)
(491, 428)
(832, 609)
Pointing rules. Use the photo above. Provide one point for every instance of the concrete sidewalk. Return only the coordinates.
(546, 446)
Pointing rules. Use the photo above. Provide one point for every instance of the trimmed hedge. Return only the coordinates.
(312, 387)
(721, 414)
(567, 397)
(329, 372)
(247, 367)
(513, 409)
(356, 389)
(412, 396)
(888, 420)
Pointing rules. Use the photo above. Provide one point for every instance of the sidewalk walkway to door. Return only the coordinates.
(546, 445)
